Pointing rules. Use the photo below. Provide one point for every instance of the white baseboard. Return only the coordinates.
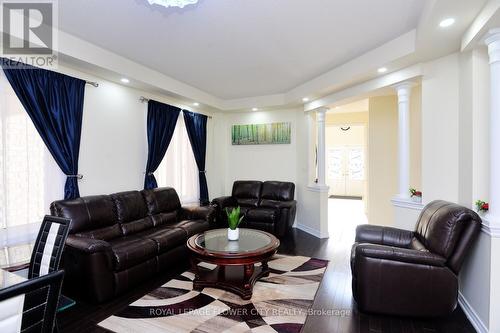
(471, 314)
(311, 231)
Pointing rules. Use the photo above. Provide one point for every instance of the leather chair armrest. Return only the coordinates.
(223, 202)
(87, 245)
(206, 213)
(375, 234)
(400, 254)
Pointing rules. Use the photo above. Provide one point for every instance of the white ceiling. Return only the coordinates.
(241, 48)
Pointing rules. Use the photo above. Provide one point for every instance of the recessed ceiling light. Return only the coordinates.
(382, 70)
(125, 80)
(196, 104)
(447, 22)
(255, 109)
(305, 99)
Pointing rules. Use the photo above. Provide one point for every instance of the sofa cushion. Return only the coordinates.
(164, 218)
(106, 233)
(165, 237)
(282, 191)
(86, 213)
(130, 206)
(244, 202)
(263, 215)
(247, 189)
(130, 228)
(131, 250)
(191, 227)
(161, 200)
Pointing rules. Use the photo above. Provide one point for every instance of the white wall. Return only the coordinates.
(440, 116)
(382, 165)
(260, 162)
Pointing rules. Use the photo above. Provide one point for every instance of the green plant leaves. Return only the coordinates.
(233, 217)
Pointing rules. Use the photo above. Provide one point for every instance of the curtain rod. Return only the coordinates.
(92, 83)
(144, 99)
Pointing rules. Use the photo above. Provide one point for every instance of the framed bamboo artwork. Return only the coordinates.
(262, 134)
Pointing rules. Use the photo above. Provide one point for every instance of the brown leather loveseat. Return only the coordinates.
(119, 240)
(268, 206)
(413, 273)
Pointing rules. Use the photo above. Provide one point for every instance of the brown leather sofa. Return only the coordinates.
(413, 273)
(116, 241)
(268, 206)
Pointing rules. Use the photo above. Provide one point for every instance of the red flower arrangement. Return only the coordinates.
(482, 206)
(415, 193)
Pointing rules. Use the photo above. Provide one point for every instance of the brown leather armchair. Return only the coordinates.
(413, 273)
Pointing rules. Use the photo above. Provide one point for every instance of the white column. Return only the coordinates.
(493, 42)
(320, 122)
(404, 92)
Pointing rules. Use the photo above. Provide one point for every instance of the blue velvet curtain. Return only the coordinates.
(196, 125)
(54, 103)
(162, 119)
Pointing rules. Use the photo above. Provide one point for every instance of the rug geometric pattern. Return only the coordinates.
(279, 303)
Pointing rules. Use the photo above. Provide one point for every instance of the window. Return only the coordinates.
(29, 177)
(178, 168)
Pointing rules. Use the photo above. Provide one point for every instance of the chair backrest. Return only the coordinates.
(279, 191)
(448, 229)
(49, 246)
(36, 299)
(247, 192)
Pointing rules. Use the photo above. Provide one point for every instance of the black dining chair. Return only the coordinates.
(48, 248)
(31, 306)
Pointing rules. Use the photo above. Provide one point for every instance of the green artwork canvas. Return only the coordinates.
(261, 134)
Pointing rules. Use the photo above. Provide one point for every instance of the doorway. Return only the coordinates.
(345, 158)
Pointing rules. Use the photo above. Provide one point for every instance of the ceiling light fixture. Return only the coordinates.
(382, 70)
(447, 22)
(172, 3)
(196, 104)
(255, 109)
(305, 99)
(125, 80)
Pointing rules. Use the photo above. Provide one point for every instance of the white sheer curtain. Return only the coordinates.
(178, 168)
(29, 177)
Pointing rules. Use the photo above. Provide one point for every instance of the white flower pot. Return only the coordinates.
(233, 235)
(416, 199)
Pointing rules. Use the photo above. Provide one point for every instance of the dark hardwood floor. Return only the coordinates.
(334, 295)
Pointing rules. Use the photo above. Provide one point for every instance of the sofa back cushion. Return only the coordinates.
(88, 213)
(280, 191)
(161, 200)
(440, 226)
(247, 192)
(130, 206)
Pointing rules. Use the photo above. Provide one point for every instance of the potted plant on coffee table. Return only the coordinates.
(234, 219)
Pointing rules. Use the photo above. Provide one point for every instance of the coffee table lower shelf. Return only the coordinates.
(238, 279)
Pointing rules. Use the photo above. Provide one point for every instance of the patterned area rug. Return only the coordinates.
(279, 303)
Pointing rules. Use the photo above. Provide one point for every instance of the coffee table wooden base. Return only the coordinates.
(238, 279)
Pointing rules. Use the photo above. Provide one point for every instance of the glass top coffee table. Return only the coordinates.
(235, 260)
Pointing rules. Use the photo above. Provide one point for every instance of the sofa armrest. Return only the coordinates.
(87, 245)
(223, 202)
(400, 254)
(206, 213)
(375, 234)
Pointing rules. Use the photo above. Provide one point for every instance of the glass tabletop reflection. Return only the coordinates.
(249, 240)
